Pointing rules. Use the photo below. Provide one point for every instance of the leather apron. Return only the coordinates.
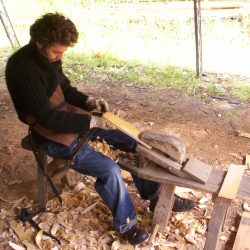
(58, 103)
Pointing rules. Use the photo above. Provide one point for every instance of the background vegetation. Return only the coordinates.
(147, 42)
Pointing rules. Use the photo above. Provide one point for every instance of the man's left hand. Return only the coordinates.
(97, 103)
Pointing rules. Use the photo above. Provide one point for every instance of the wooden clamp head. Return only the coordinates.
(168, 144)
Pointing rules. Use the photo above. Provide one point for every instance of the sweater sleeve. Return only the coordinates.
(29, 92)
(72, 95)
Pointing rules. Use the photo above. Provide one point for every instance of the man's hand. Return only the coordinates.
(97, 103)
(99, 122)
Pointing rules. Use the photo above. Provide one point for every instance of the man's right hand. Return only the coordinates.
(99, 122)
(98, 104)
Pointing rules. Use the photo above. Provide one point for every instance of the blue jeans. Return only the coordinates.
(109, 183)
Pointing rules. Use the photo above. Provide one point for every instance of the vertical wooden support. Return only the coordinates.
(217, 218)
(164, 206)
(228, 192)
(198, 38)
(42, 182)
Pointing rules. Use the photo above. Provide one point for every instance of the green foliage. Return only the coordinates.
(241, 91)
(214, 89)
(131, 71)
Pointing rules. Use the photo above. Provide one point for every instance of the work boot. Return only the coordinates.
(180, 204)
(135, 235)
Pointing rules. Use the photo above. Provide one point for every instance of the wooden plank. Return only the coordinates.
(242, 240)
(217, 218)
(197, 169)
(125, 127)
(161, 159)
(164, 206)
(154, 172)
(232, 181)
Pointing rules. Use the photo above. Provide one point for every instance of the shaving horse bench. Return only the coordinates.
(224, 185)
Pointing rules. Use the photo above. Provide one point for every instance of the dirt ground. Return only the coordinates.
(207, 125)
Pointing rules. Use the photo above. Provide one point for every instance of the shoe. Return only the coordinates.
(135, 235)
(180, 204)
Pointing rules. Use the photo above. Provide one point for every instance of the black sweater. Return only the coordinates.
(32, 79)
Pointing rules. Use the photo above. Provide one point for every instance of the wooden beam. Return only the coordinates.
(156, 173)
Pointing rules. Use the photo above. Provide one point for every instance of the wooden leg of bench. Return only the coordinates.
(217, 218)
(164, 206)
(42, 182)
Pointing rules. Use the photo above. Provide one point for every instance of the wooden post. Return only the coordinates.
(217, 219)
(228, 192)
(198, 38)
(42, 181)
(164, 206)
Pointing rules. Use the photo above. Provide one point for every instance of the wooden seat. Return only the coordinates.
(57, 169)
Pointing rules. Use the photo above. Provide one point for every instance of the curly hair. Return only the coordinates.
(54, 28)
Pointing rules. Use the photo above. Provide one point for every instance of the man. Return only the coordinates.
(60, 120)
